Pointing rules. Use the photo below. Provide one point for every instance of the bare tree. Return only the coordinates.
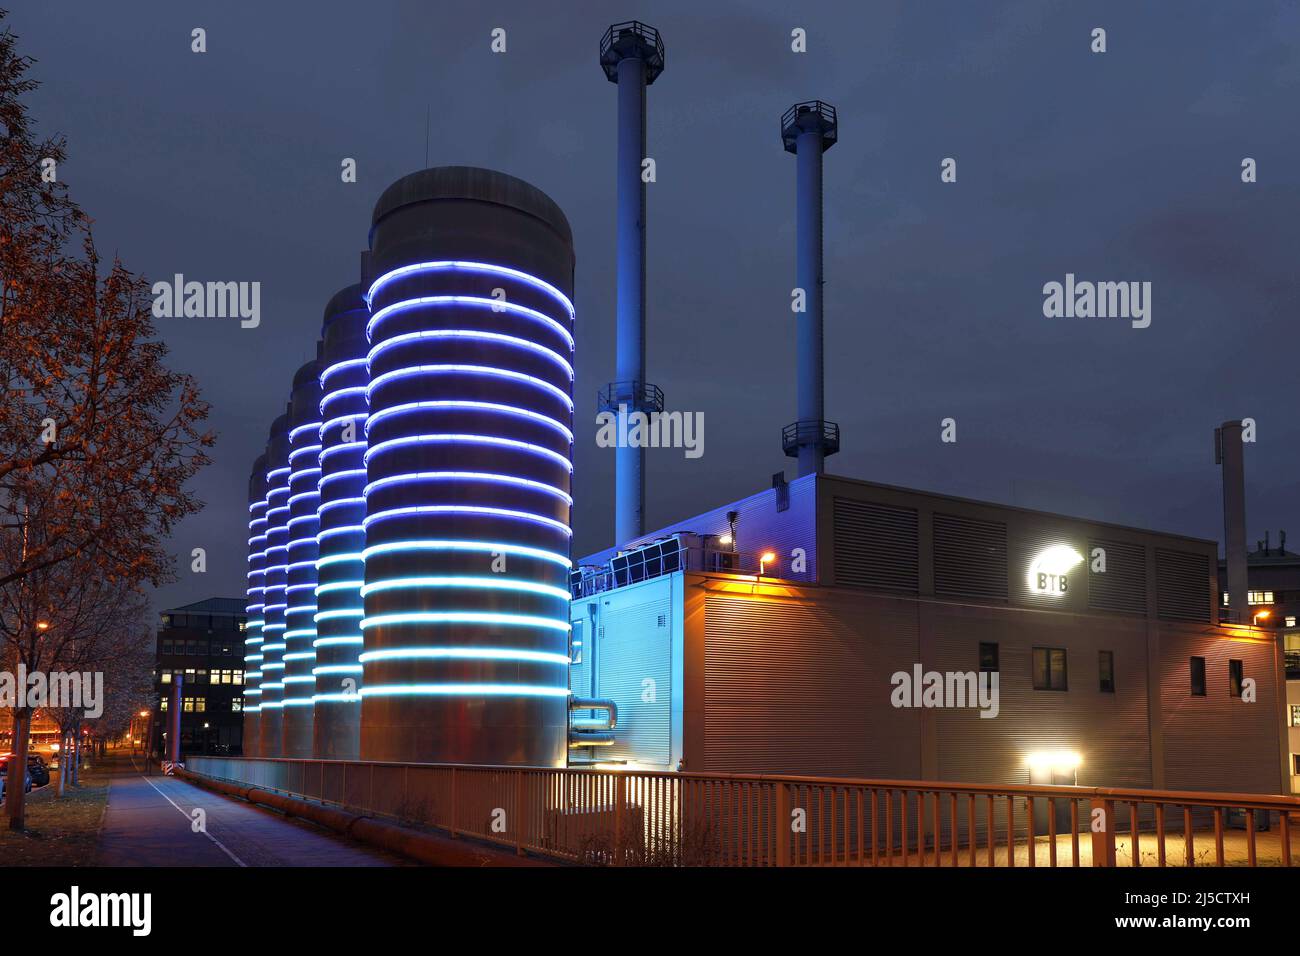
(98, 438)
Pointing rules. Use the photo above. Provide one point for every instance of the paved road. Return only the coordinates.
(149, 823)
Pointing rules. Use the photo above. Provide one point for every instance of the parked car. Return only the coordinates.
(4, 775)
(40, 773)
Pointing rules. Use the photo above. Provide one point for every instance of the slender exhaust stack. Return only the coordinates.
(1228, 453)
(808, 130)
(632, 55)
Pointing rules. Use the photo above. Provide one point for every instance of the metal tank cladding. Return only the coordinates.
(469, 466)
(256, 601)
(270, 723)
(300, 573)
(341, 537)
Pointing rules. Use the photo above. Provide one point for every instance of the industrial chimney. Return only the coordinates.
(632, 55)
(808, 130)
(1228, 453)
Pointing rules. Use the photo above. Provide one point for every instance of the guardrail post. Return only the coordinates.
(453, 803)
(782, 824)
(620, 798)
(519, 812)
(1103, 840)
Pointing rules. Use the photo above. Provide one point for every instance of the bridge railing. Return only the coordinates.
(636, 817)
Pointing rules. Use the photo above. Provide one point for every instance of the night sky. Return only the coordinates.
(1117, 166)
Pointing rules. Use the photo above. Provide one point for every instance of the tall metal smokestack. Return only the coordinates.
(808, 130)
(632, 55)
(1228, 453)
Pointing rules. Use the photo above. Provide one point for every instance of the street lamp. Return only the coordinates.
(764, 559)
(1262, 616)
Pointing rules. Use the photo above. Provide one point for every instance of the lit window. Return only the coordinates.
(1295, 715)
(166, 677)
(162, 704)
(1106, 671)
(1225, 598)
(238, 677)
(1235, 675)
(1049, 668)
(1290, 621)
(237, 704)
(188, 705)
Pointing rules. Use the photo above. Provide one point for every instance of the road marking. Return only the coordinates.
(223, 847)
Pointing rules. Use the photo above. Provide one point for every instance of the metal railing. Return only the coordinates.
(640, 818)
(681, 551)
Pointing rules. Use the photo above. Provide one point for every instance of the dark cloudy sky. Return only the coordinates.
(1121, 166)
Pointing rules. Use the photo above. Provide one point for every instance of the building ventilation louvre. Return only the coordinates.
(1123, 587)
(1182, 586)
(970, 557)
(876, 546)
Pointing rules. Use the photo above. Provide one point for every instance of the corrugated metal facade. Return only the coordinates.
(1218, 742)
(802, 686)
(1110, 731)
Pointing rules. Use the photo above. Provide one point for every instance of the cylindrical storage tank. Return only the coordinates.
(469, 468)
(253, 610)
(300, 587)
(341, 537)
(270, 724)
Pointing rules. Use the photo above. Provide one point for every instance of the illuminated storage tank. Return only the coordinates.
(300, 589)
(468, 472)
(341, 537)
(270, 724)
(253, 610)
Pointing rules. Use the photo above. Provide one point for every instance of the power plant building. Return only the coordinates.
(413, 597)
(1121, 677)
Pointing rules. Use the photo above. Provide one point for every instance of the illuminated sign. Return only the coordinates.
(1049, 571)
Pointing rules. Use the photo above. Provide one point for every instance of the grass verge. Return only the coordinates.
(61, 831)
